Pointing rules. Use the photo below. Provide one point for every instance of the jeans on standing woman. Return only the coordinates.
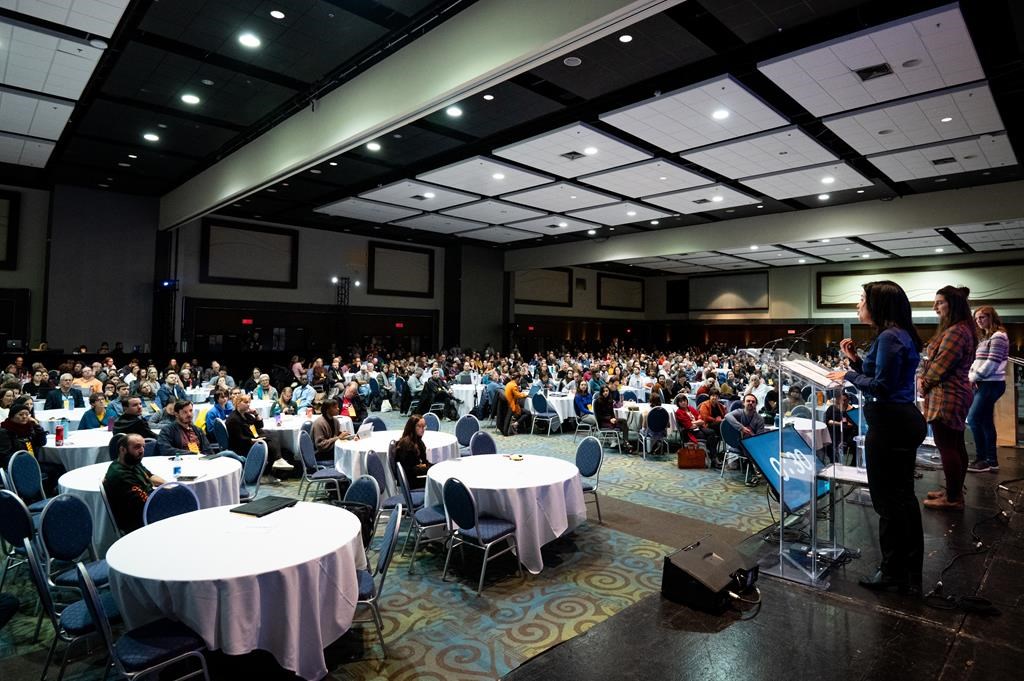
(981, 419)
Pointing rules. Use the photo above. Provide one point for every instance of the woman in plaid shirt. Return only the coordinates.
(947, 392)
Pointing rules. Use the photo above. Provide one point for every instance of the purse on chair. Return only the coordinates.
(690, 456)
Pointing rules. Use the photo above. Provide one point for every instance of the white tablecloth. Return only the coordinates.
(80, 448)
(465, 392)
(560, 404)
(50, 418)
(218, 485)
(262, 407)
(635, 418)
(287, 434)
(542, 494)
(279, 583)
(348, 454)
(803, 426)
(198, 395)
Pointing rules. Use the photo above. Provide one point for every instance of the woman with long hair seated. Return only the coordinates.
(411, 452)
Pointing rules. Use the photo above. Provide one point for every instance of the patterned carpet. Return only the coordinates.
(443, 630)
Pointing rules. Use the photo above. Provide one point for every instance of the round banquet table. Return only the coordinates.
(49, 419)
(262, 407)
(803, 426)
(217, 485)
(348, 454)
(541, 494)
(465, 393)
(80, 448)
(277, 583)
(199, 395)
(635, 418)
(560, 403)
(287, 434)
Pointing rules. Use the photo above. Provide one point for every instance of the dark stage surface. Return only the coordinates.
(845, 631)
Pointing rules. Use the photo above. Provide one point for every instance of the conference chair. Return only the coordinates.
(465, 428)
(589, 457)
(542, 412)
(482, 443)
(423, 519)
(433, 423)
(314, 473)
(168, 500)
(469, 528)
(371, 584)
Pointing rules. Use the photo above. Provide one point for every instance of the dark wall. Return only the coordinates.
(482, 288)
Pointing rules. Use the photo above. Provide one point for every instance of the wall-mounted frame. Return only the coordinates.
(558, 281)
(10, 221)
(612, 297)
(995, 283)
(417, 264)
(758, 279)
(230, 251)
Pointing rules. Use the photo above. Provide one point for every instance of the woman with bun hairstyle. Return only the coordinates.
(944, 385)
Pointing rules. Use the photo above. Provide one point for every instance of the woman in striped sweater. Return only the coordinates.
(988, 377)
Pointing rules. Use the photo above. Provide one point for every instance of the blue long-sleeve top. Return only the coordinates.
(580, 403)
(887, 371)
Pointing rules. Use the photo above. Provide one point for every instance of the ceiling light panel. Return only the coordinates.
(645, 178)
(560, 197)
(924, 251)
(934, 241)
(24, 151)
(482, 175)
(419, 195)
(992, 238)
(742, 265)
(620, 213)
(99, 17)
(761, 154)
(494, 212)
(35, 60)
(645, 261)
(687, 269)
(795, 260)
(572, 151)
(36, 116)
(808, 181)
(370, 211)
(919, 121)
(711, 259)
(499, 234)
(685, 119)
(442, 224)
(555, 224)
(816, 243)
(925, 52)
(985, 151)
(702, 199)
(747, 251)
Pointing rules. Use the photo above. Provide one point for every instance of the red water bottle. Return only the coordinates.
(59, 436)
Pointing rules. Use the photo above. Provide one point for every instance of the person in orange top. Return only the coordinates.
(514, 396)
(88, 382)
(712, 412)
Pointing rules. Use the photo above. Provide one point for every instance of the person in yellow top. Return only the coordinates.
(87, 382)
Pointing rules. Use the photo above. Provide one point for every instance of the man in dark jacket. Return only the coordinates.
(182, 436)
(131, 421)
(65, 396)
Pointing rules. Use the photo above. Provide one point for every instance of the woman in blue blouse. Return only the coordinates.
(896, 430)
(98, 415)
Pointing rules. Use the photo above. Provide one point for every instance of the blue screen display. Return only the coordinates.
(797, 467)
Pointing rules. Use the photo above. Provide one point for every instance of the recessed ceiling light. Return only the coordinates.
(249, 40)
(590, 151)
(945, 119)
(488, 98)
(272, 191)
(277, 14)
(498, 176)
(190, 99)
(655, 222)
(162, 125)
(611, 229)
(720, 114)
(132, 156)
(718, 199)
(453, 111)
(865, 255)
(123, 164)
(572, 61)
(373, 146)
(429, 195)
(332, 163)
(828, 179)
(334, 280)
(754, 247)
(939, 250)
(104, 186)
(911, 63)
(625, 38)
(823, 197)
(662, 178)
(151, 137)
(631, 213)
(941, 179)
(591, 232)
(825, 241)
(801, 261)
(573, 196)
(860, 191)
(760, 205)
(206, 81)
(98, 43)
(563, 224)
(315, 171)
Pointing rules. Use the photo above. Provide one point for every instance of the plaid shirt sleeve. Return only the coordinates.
(947, 393)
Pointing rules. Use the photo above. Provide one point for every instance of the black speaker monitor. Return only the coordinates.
(702, 574)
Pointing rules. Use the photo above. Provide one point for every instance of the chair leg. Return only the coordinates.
(448, 557)
(597, 502)
(415, 548)
(49, 655)
(380, 627)
(483, 570)
(515, 552)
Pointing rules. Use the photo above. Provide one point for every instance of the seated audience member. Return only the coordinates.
(771, 405)
(6, 402)
(40, 382)
(253, 381)
(414, 384)
(263, 390)
(88, 382)
(221, 409)
(793, 400)
(712, 411)
(515, 397)
(182, 436)
(690, 423)
(604, 412)
(637, 381)
(245, 428)
(840, 424)
(150, 406)
(583, 405)
(185, 379)
(747, 420)
(131, 421)
(284, 404)
(352, 404)
(171, 391)
(411, 452)
(303, 394)
(128, 483)
(20, 431)
(228, 380)
(98, 416)
(758, 387)
(326, 430)
(116, 403)
(65, 396)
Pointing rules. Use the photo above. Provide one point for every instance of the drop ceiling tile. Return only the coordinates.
(882, 241)
(494, 212)
(36, 116)
(687, 269)
(560, 197)
(818, 243)
(684, 119)
(418, 195)
(619, 213)
(747, 251)
(646, 178)
(1000, 245)
(796, 260)
(477, 175)
(24, 151)
(499, 234)
(742, 265)
(808, 181)
(714, 197)
(643, 261)
(547, 152)
(92, 16)
(34, 59)
(442, 224)
(925, 250)
(919, 121)
(370, 211)
(555, 224)
(979, 153)
(771, 152)
(925, 52)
